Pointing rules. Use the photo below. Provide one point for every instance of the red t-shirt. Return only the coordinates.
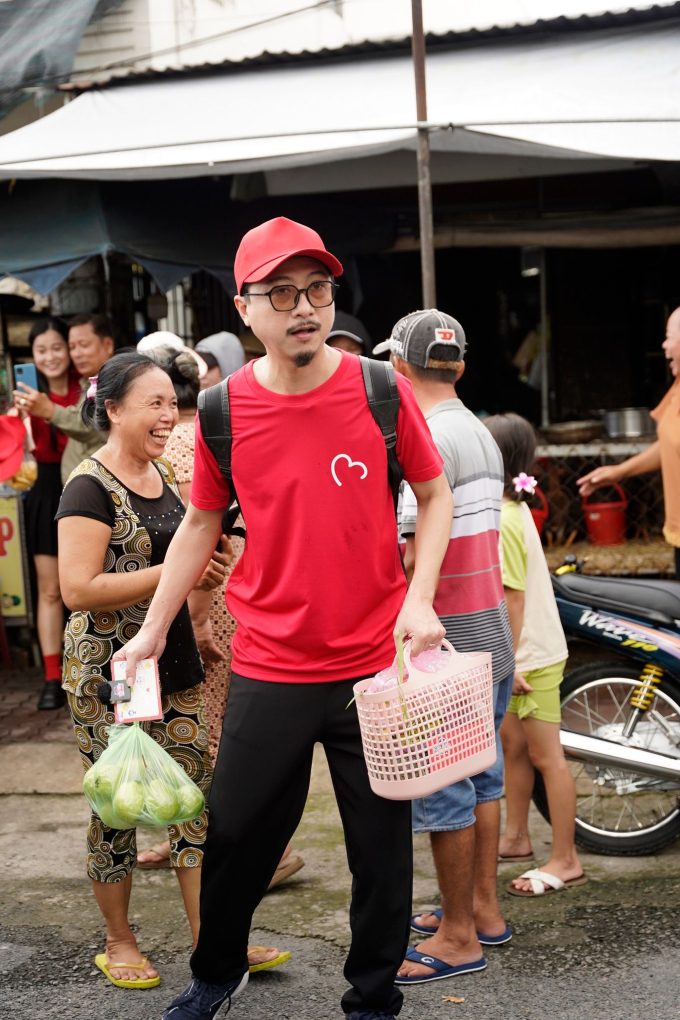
(49, 442)
(318, 589)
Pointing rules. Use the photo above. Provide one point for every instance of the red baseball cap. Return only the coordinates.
(12, 436)
(265, 247)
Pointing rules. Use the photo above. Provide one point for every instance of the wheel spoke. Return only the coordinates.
(619, 708)
(587, 715)
(588, 718)
(586, 705)
(635, 817)
(662, 811)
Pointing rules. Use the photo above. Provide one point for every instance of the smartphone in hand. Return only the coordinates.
(26, 373)
(142, 700)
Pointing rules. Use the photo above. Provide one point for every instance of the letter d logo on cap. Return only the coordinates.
(445, 335)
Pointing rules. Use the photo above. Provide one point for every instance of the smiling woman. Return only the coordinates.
(118, 514)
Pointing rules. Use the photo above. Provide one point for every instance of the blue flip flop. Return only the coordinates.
(423, 929)
(495, 940)
(441, 969)
(486, 940)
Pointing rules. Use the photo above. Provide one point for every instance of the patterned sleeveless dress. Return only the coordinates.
(139, 537)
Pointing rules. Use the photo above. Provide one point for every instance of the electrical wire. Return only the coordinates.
(131, 61)
(211, 38)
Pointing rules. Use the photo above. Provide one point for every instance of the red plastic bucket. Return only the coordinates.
(606, 522)
(540, 514)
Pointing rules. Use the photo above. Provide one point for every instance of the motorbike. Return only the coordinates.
(621, 717)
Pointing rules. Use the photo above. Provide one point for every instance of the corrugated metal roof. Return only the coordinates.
(540, 29)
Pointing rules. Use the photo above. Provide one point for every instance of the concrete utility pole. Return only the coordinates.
(424, 176)
(545, 376)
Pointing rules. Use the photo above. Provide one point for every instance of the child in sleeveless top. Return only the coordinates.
(531, 729)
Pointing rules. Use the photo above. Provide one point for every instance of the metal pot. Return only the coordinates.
(628, 423)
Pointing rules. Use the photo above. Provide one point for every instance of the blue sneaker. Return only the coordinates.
(202, 1001)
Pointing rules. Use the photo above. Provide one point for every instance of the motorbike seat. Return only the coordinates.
(658, 601)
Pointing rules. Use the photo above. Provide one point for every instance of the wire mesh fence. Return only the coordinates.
(565, 517)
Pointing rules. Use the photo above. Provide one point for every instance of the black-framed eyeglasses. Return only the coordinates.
(285, 297)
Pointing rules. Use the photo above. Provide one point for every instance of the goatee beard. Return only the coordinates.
(304, 358)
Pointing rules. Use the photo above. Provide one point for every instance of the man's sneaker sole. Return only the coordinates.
(237, 991)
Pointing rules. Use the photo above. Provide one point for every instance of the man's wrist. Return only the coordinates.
(155, 629)
(419, 593)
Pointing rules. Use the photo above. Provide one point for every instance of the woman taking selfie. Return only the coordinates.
(117, 516)
(56, 377)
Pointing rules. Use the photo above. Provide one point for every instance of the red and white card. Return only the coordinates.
(145, 702)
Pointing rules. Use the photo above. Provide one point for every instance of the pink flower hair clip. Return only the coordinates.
(92, 392)
(525, 483)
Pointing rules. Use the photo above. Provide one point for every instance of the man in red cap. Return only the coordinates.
(318, 595)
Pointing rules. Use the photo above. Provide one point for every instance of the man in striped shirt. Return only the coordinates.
(428, 347)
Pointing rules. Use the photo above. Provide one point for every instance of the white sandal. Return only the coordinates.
(540, 879)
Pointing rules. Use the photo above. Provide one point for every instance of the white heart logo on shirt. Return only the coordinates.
(350, 463)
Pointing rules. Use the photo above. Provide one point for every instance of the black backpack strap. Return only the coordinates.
(215, 420)
(383, 400)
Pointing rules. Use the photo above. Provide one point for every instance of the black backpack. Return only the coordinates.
(383, 400)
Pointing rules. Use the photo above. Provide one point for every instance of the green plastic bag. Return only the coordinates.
(136, 782)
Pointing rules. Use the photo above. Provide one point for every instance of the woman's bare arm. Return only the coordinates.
(514, 600)
(642, 463)
(85, 587)
(83, 543)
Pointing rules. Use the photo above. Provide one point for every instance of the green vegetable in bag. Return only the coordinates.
(191, 801)
(136, 782)
(128, 801)
(106, 779)
(89, 785)
(161, 800)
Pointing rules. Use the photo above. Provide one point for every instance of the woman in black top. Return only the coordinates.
(117, 516)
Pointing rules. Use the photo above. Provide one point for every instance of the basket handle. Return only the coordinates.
(413, 670)
(544, 502)
(609, 485)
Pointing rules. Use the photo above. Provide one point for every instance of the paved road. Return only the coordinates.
(607, 951)
(519, 984)
(20, 719)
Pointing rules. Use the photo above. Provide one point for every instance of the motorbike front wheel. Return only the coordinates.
(619, 812)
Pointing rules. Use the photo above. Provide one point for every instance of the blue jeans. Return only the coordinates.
(454, 807)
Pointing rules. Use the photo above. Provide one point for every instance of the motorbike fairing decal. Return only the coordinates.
(633, 636)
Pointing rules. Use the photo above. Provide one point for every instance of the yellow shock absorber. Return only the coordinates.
(650, 678)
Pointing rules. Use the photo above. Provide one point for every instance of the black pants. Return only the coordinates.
(258, 794)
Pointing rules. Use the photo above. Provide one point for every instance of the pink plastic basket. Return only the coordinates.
(434, 730)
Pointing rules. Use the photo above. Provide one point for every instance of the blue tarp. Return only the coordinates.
(39, 40)
(173, 228)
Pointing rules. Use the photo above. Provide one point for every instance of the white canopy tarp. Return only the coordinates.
(592, 99)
